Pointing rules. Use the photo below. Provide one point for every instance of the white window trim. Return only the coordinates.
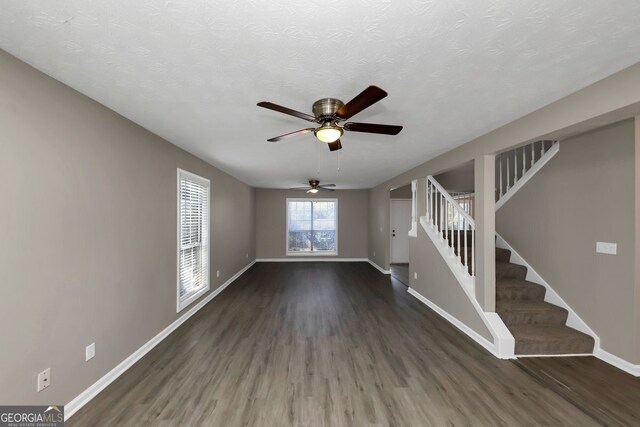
(311, 253)
(184, 302)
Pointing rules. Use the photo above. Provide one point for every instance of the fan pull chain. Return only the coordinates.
(339, 160)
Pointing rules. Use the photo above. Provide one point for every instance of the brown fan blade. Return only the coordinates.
(328, 185)
(289, 135)
(373, 128)
(335, 145)
(365, 99)
(285, 110)
(326, 189)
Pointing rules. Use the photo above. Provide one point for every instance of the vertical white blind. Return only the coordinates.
(193, 227)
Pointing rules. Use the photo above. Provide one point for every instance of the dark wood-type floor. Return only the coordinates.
(341, 344)
(400, 272)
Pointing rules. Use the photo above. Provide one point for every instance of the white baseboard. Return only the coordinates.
(504, 343)
(458, 324)
(554, 355)
(311, 259)
(91, 392)
(382, 270)
(617, 362)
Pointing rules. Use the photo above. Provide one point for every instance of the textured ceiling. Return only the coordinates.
(193, 71)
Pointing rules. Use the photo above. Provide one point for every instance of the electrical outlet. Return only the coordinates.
(90, 351)
(247, 255)
(374, 253)
(217, 273)
(44, 379)
(415, 275)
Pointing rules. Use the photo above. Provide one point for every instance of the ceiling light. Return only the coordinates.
(312, 190)
(328, 132)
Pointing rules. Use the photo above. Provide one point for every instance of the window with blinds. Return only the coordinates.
(312, 227)
(193, 237)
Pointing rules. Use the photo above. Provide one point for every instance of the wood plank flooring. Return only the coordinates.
(400, 272)
(313, 344)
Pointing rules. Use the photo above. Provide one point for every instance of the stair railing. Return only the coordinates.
(515, 167)
(466, 200)
(453, 224)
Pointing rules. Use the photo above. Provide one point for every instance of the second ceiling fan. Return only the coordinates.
(329, 112)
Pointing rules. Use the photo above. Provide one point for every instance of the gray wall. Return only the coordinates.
(583, 195)
(436, 283)
(88, 231)
(403, 192)
(271, 221)
(459, 179)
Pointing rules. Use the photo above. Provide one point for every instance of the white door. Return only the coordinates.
(400, 226)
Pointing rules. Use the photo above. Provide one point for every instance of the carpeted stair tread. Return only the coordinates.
(503, 255)
(531, 312)
(518, 290)
(550, 339)
(505, 270)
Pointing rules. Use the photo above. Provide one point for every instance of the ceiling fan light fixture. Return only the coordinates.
(328, 132)
(312, 190)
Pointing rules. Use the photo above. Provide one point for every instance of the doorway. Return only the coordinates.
(400, 224)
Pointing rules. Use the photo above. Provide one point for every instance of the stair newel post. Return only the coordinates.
(428, 188)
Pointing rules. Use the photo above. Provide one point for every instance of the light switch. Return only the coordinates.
(606, 248)
(90, 352)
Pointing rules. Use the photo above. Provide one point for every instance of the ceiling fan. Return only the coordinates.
(329, 112)
(314, 186)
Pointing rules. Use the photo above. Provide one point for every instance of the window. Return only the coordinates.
(312, 227)
(193, 237)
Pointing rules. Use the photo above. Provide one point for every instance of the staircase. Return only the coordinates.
(539, 328)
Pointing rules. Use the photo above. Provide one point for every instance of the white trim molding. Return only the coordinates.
(85, 397)
(618, 362)
(311, 259)
(382, 270)
(454, 321)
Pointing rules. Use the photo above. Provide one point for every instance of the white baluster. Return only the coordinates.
(501, 190)
(446, 219)
(532, 156)
(473, 253)
(459, 247)
(524, 157)
(508, 175)
(464, 229)
(541, 148)
(428, 201)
